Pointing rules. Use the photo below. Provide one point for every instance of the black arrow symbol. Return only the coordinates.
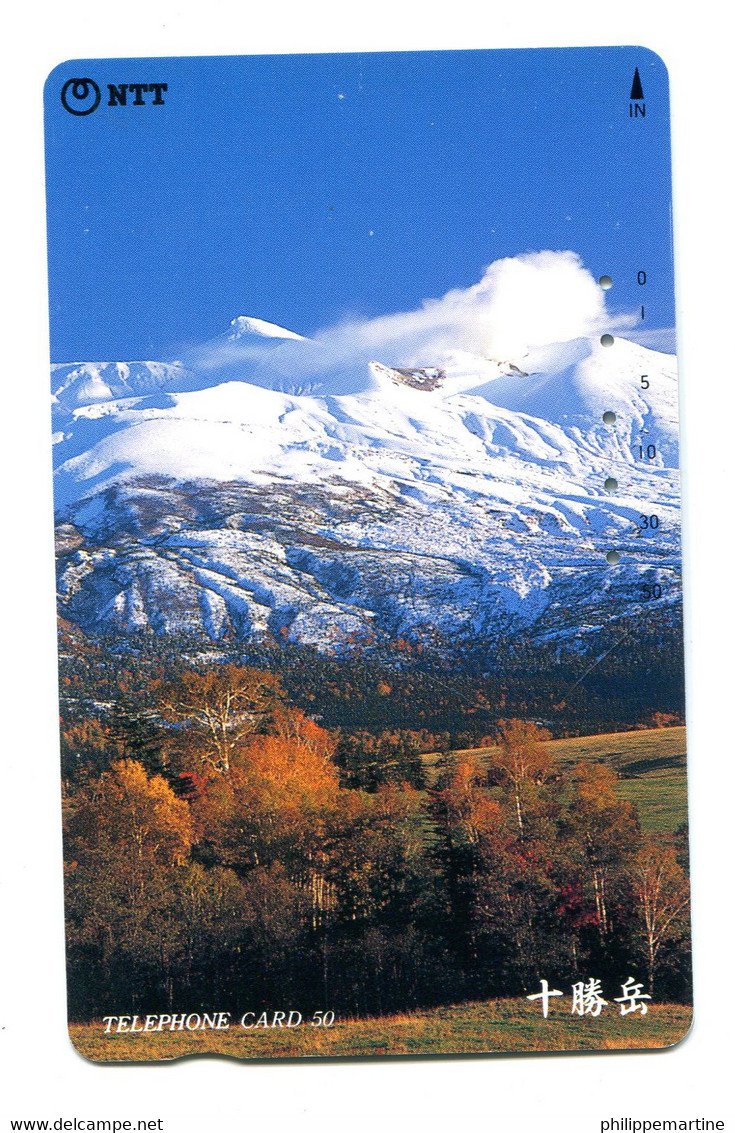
(636, 91)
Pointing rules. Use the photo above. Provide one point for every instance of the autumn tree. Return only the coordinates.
(467, 820)
(502, 875)
(607, 833)
(127, 837)
(215, 711)
(465, 806)
(127, 814)
(378, 861)
(279, 804)
(662, 892)
(521, 759)
(88, 746)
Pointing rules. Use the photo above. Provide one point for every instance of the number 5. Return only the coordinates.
(644, 381)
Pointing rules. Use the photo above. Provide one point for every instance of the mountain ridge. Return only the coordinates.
(443, 499)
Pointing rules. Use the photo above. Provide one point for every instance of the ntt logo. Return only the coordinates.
(82, 96)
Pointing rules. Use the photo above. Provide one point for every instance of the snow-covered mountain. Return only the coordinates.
(266, 487)
(88, 383)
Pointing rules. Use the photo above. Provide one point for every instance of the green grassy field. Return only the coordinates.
(651, 768)
(495, 1026)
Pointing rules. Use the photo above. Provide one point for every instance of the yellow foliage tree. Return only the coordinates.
(217, 710)
(606, 829)
(662, 890)
(127, 840)
(521, 759)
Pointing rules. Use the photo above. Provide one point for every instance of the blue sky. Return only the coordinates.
(305, 190)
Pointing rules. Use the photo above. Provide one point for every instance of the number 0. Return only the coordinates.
(641, 278)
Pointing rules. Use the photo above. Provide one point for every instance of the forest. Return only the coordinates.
(223, 841)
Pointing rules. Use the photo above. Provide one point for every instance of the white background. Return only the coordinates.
(43, 1075)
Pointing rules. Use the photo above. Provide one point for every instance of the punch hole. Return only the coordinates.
(609, 417)
(613, 557)
(605, 282)
(611, 484)
(607, 340)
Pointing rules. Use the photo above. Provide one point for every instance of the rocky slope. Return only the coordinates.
(281, 494)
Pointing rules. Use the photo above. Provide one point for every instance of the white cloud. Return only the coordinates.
(519, 305)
